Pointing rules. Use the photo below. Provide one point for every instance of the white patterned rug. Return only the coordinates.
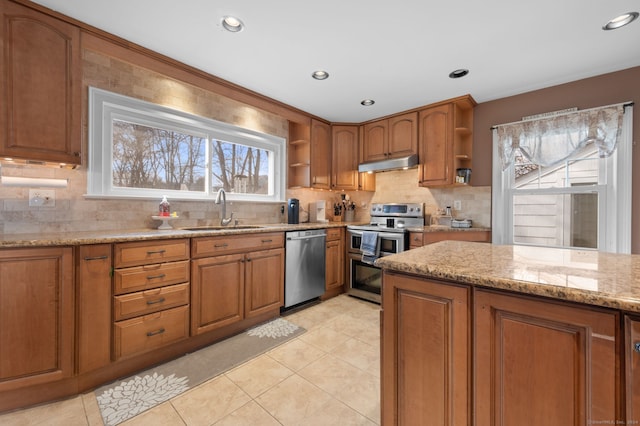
(124, 399)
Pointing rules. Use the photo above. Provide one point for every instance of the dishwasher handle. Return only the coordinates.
(307, 237)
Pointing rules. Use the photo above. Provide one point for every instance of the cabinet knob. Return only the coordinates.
(636, 346)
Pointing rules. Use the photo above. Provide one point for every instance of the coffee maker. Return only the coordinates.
(293, 210)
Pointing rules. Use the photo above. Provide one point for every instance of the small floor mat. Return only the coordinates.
(124, 399)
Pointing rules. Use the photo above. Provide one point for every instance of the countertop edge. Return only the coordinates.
(487, 281)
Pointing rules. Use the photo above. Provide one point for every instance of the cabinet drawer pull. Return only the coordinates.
(153, 333)
(267, 241)
(153, 277)
(156, 251)
(636, 347)
(221, 245)
(96, 258)
(153, 302)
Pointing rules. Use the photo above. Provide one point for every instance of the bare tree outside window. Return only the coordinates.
(240, 168)
(150, 157)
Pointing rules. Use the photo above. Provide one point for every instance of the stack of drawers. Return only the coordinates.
(151, 295)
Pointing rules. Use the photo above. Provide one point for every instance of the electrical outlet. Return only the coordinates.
(42, 198)
(457, 205)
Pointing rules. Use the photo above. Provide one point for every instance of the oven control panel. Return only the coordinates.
(397, 209)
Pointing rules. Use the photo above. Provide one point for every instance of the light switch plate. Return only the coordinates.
(457, 205)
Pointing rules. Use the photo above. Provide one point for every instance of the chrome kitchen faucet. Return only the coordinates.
(221, 194)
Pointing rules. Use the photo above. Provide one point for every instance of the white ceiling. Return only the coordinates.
(398, 53)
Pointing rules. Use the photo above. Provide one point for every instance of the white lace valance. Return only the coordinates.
(549, 141)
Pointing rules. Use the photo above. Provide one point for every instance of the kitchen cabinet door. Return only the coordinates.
(538, 362)
(436, 146)
(94, 306)
(632, 369)
(345, 157)
(403, 135)
(36, 316)
(264, 286)
(217, 292)
(375, 141)
(334, 265)
(40, 94)
(320, 155)
(425, 352)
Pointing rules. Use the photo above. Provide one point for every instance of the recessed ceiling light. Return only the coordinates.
(320, 75)
(620, 21)
(232, 24)
(458, 73)
(368, 102)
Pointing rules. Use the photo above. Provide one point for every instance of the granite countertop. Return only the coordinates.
(73, 238)
(583, 276)
(445, 228)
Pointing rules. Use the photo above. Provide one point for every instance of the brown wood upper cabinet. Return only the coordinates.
(445, 141)
(345, 157)
(320, 155)
(40, 94)
(390, 138)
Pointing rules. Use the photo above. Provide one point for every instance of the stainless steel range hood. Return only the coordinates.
(391, 164)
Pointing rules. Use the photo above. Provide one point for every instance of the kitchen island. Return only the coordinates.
(475, 333)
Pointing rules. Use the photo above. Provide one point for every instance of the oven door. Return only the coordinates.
(365, 280)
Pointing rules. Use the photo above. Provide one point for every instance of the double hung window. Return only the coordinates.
(564, 181)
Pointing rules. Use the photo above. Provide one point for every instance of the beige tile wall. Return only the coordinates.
(73, 211)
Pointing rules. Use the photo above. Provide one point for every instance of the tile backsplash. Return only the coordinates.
(75, 212)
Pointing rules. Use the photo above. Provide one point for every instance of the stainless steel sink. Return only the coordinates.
(220, 228)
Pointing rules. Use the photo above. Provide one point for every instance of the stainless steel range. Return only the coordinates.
(388, 227)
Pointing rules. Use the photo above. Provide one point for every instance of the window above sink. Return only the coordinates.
(142, 150)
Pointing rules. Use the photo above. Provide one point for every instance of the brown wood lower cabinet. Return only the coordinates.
(632, 356)
(239, 283)
(534, 361)
(544, 363)
(426, 352)
(36, 316)
(93, 292)
(334, 261)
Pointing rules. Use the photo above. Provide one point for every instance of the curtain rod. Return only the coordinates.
(624, 105)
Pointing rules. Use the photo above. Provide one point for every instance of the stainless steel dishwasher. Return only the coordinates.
(305, 266)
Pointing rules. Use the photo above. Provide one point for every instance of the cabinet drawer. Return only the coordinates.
(415, 239)
(148, 252)
(150, 276)
(334, 234)
(142, 334)
(146, 302)
(214, 246)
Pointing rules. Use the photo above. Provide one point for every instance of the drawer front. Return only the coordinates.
(214, 246)
(146, 302)
(147, 277)
(149, 252)
(416, 239)
(334, 234)
(143, 334)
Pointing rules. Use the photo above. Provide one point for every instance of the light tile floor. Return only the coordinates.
(329, 375)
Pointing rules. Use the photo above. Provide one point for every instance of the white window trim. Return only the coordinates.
(105, 106)
(614, 215)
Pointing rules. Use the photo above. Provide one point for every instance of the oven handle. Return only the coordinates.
(381, 234)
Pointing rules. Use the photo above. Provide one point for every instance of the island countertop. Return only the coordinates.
(582, 276)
